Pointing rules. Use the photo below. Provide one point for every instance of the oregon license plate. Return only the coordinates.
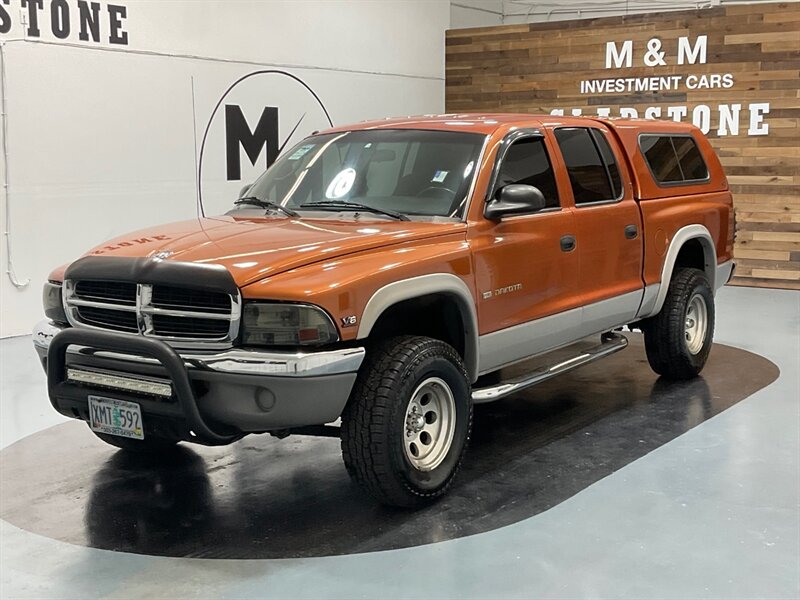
(115, 417)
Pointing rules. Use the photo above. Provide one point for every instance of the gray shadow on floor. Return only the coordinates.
(269, 498)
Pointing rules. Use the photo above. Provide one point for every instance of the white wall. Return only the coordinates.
(475, 13)
(101, 137)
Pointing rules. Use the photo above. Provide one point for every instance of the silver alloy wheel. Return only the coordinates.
(696, 323)
(429, 425)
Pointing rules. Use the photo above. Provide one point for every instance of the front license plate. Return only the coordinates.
(115, 417)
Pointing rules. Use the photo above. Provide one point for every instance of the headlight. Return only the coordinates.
(51, 299)
(287, 325)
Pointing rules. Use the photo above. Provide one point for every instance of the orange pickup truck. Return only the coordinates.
(382, 275)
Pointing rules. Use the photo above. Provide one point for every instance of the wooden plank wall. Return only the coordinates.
(536, 68)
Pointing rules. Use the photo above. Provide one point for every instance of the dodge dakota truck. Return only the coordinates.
(378, 280)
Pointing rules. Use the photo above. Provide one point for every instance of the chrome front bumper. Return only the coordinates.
(211, 398)
(242, 362)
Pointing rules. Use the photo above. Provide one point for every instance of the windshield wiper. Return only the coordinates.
(266, 204)
(347, 205)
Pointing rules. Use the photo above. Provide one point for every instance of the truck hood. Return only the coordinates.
(252, 249)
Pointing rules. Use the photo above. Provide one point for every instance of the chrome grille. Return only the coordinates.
(179, 315)
(116, 292)
(189, 328)
(167, 296)
(109, 318)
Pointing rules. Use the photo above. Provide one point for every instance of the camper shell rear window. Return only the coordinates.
(673, 159)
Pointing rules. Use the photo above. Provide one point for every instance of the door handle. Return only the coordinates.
(631, 232)
(568, 243)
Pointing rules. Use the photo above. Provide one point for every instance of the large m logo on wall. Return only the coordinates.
(238, 134)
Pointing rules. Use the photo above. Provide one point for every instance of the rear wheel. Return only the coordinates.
(406, 427)
(145, 446)
(678, 339)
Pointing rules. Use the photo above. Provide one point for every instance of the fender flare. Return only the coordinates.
(425, 285)
(652, 305)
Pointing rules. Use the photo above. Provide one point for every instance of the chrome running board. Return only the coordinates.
(609, 343)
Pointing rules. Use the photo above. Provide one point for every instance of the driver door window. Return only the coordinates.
(527, 162)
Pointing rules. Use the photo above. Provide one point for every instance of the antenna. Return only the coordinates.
(200, 211)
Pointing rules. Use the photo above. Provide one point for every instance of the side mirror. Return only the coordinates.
(515, 199)
(243, 191)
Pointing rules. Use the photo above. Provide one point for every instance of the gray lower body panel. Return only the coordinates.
(252, 403)
(508, 346)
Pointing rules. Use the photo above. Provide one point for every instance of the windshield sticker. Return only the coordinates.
(341, 184)
(301, 152)
(439, 177)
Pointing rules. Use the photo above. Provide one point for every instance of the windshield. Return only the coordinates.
(411, 172)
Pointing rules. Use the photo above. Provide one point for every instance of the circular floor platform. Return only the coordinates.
(269, 498)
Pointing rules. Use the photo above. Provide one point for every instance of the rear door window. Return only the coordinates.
(673, 159)
(610, 161)
(592, 170)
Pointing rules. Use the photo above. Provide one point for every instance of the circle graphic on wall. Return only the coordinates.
(256, 118)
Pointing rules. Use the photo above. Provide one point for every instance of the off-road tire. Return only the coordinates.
(665, 333)
(374, 420)
(150, 445)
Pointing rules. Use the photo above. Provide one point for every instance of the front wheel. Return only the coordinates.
(406, 427)
(678, 339)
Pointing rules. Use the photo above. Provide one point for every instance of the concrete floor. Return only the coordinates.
(713, 513)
